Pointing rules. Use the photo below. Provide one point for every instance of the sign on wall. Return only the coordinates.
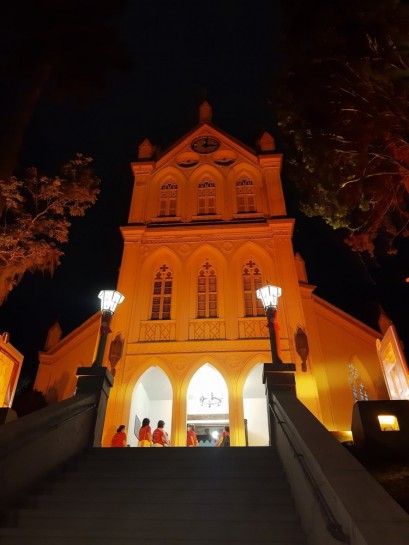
(10, 366)
(393, 364)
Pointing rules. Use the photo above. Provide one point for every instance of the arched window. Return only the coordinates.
(207, 292)
(206, 198)
(252, 281)
(359, 392)
(162, 294)
(168, 199)
(246, 201)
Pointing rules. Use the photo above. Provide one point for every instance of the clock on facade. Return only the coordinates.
(205, 144)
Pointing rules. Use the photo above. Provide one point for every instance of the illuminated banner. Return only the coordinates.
(393, 364)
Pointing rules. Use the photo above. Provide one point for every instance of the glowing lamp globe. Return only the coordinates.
(110, 299)
(269, 295)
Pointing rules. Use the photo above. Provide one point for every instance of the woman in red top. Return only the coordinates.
(224, 439)
(119, 439)
(191, 440)
(145, 434)
(160, 437)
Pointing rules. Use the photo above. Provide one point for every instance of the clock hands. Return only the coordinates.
(205, 144)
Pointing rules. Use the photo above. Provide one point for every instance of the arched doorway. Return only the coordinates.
(152, 398)
(207, 404)
(255, 408)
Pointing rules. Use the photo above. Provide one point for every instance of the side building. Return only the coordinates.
(207, 227)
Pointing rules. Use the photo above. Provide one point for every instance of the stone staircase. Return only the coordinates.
(174, 496)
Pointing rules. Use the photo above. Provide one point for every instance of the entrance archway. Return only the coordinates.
(151, 398)
(255, 408)
(207, 404)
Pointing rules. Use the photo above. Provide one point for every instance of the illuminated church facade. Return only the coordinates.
(207, 227)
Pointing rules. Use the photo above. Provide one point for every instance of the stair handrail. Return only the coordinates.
(75, 413)
(332, 524)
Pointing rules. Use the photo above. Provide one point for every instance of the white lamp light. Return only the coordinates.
(110, 299)
(269, 295)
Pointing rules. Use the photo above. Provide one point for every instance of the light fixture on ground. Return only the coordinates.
(269, 296)
(110, 299)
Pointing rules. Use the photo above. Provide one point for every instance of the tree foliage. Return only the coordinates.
(35, 218)
(343, 112)
(27, 401)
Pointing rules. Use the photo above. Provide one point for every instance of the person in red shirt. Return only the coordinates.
(145, 434)
(160, 437)
(119, 439)
(191, 440)
(224, 439)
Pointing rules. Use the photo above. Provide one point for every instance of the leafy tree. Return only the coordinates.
(35, 218)
(344, 114)
(54, 48)
(28, 401)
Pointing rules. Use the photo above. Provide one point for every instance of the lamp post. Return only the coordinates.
(278, 377)
(269, 296)
(110, 299)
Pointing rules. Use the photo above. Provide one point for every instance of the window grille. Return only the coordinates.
(207, 292)
(162, 294)
(168, 199)
(206, 198)
(246, 201)
(252, 281)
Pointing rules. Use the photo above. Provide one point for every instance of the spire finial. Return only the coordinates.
(205, 112)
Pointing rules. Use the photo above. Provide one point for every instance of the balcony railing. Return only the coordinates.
(157, 330)
(253, 328)
(203, 329)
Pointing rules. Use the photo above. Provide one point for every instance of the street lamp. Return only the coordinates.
(269, 296)
(110, 299)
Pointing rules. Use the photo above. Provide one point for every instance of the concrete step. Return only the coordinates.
(178, 461)
(246, 451)
(279, 511)
(200, 496)
(166, 495)
(31, 539)
(206, 455)
(149, 457)
(171, 472)
(145, 529)
(136, 522)
(172, 483)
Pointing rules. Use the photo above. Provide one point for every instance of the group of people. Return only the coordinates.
(160, 438)
(223, 440)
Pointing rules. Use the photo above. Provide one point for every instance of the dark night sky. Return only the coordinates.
(182, 53)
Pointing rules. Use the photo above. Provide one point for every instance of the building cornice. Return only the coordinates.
(271, 160)
(188, 232)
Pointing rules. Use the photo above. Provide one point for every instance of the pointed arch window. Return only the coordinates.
(246, 201)
(252, 281)
(359, 392)
(207, 292)
(206, 198)
(162, 294)
(168, 199)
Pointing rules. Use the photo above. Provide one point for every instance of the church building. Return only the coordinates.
(207, 228)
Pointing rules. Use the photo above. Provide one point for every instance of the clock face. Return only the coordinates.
(205, 144)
